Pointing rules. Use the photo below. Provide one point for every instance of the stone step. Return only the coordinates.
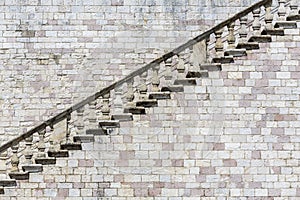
(96, 131)
(71, 146)
(260, 38)
(109, 123)
(286, 25)
(185, 81)
(235, 52)
(199, 74)
(135, 110)
(277, 31)
(223, 60)
(84, 138)
(159, 95)
(293, 18)
(211, 67)
(19, 175)
(32, 168)
(173, 88)
(248, 45)
(45, 161)
(122, 117)
(59, 154)
(147, 103)
(8, 183)
(1, 190)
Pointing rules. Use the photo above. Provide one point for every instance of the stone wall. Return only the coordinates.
(54, 53)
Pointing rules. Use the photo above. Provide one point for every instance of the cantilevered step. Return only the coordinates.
(19, 175)
(59, 154)
(172, 88)
(84, 138)
(275, 31)
(248, 45)
(122, 117)
(159, 95)
(293, 18)
(211, 67)
(147, 103)
(185, 81)
(71, 146)
(45, 161)
(135, 110)
(8, 183)
(235, 52)
(198, 74)
(260, 38)
(95, 131)
(32, 168)
(223, 60)
(286, 24)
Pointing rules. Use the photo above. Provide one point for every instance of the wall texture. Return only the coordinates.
(55, 52)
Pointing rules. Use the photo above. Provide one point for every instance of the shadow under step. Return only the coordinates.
(293, 18)
(59, 154)
(248, 45)
(71, 146)
(122, 117)
(286, 24)
(223, 60)
(235, 52)
(84, 138)
(199, 74)
(8, 183)
(1, 190)
(185, 81)
(135, 110)
(159, 95)
(147, 103)
(32, 168)
(260, 38)
(45, 161)
(211, 67)
(172, 88)
(19, 175)
(275, 31)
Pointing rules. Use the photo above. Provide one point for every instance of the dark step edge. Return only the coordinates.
(199, 74)
(286, 25)
(19, 175)
(248, 45)
(277, 32)
(147, 103)
(58, 154)
(45, 161)
(260, 38)
(223, 60)
(109, 123)
(8, 183)
(33, 168)
(122, 117)
(84, 138)
(293, 18)
(211, 67)
(135, 110)
(186, 81)
(159, 95)
(96, 131)
(71, 146)
(173, 88)
(235, 52)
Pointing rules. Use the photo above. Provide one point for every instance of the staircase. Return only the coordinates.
(36, 160)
